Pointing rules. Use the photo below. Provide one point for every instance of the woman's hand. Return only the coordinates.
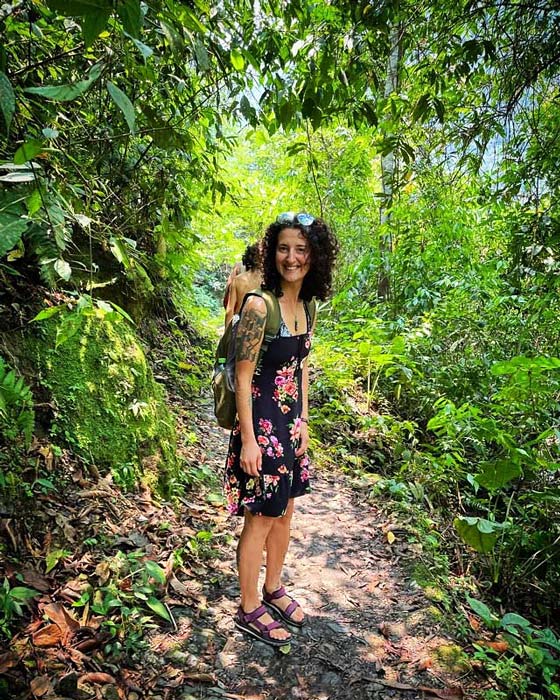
(251, 458)
(303, 440)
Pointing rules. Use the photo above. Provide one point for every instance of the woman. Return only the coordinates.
(267, 464)
(244, 282)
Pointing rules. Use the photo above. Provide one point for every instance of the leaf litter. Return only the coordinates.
(359, 641)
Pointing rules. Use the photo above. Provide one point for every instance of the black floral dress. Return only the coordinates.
(276, 393)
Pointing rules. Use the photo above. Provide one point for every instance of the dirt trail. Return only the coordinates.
(370, 628)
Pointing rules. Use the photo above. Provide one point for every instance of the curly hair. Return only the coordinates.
(323, 250)
(251, 257)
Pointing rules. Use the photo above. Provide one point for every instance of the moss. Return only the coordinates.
(452, 658)
(435, 594)
(108, 406)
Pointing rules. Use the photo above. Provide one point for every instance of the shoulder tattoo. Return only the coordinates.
(249, 335)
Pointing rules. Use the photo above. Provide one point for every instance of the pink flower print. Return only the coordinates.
(291, 389)
(277, 445)
(263, 440)
(295, 430)
(255, 392)
(282, 469)
(265, 425)
(304, 461)
(308, 342)
(305, 474)
(271, 480)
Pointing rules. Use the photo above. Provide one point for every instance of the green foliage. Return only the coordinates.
(11, 601)
(108, 406)
(128, 600)
(528, 668)
(17, 417)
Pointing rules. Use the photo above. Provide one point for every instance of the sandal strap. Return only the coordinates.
(254, 614)
(291, 607)
(252, 618)
(278, 593)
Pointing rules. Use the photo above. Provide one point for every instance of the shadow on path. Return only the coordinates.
(369, 629)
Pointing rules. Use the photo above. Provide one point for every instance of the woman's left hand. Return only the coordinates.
(303, 440)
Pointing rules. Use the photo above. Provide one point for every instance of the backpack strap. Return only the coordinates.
(274, 315)
(311, 307)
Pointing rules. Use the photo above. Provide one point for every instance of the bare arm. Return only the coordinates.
(232, 301)
(247, 345)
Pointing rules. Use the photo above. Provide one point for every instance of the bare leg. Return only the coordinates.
(277, 542)
(249, 559)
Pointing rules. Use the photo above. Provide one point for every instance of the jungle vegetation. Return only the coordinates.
(144, 144)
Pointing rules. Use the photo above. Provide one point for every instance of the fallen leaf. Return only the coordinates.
(452, 693)
(200, 677)
(96, 678)
(473, 622)
(35, 580)
(48, 636)
(40, 686)
(391, 537)
(7, 661)
(57, 613)
(499, 646)
(425, 663)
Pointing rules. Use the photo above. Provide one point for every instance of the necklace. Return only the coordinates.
(296, 322)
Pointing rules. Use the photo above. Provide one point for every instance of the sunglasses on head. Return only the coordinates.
(290, 218)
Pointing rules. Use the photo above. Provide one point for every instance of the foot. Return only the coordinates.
(286, 606)
(260, 624)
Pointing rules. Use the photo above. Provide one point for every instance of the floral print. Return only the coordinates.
(276, 394)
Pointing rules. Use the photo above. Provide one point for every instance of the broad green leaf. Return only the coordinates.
(514, 620)
(155, 571)
(159, 608)
(63, 269)
(130, 13)
(11, 230)
(124, 104)
(50, 133)
(526, 364)
(478, 533)
(496, 474)
(53, 558)
(69, 326)
(483, 611)
(23, 593)
(237, 60)
(145, 50)
(93, 25)
(79, 8)
(47, 313)
(7, 100)
(201, 54)
(118, 248)
(65, 93)
(27, 151)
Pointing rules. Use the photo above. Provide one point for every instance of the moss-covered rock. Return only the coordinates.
(108, 406)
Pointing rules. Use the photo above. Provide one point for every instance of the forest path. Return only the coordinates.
(371, 631)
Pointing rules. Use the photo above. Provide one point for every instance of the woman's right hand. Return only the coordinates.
(251, 458)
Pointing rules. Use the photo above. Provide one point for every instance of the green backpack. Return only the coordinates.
(223, 376)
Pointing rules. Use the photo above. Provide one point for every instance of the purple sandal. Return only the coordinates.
(250, 623)
(286, 615)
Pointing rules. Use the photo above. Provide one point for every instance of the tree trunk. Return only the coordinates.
(388, 171)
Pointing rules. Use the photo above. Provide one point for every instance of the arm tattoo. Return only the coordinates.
(249, 335)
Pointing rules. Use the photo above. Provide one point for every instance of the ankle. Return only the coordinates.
(250, 604)
(272, 588)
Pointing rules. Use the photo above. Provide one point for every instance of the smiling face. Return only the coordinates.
(293, 255)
